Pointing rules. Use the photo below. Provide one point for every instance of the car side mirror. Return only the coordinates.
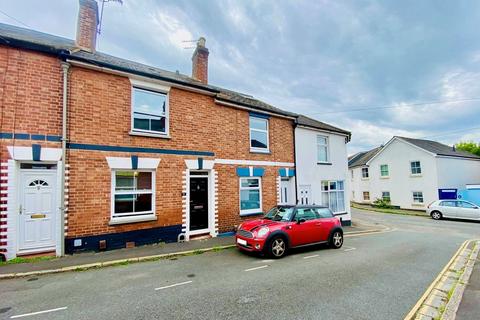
(301, 220)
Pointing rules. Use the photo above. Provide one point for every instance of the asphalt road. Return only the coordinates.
(375, 276)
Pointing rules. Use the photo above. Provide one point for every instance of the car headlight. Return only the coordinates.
(262, 232)
(239, 226)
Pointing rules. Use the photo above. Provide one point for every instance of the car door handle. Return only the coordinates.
(318, 224)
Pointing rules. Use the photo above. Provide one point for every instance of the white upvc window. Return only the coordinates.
(415, 167)
(259, 140)
(133, 194)
(384, 170)
(322, 149)
(386, 196)
(333, 195)
(417, 197)
(250, 195)
(366, 195)
(150, 114)
(365, 173)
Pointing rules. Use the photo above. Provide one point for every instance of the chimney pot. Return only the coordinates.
(200, 61)
(87, 25)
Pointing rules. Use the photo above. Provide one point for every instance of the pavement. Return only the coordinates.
(470, 306)
(149, 252)
(373, 276)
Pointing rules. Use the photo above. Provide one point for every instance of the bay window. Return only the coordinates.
(250, 195)
(333, 195)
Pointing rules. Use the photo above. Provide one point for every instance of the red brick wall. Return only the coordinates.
(99, 113)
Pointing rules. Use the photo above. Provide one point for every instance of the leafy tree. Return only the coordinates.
(470, 146)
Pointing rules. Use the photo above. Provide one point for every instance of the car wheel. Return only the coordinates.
(436, 215)
(277, 247)
(336, 240)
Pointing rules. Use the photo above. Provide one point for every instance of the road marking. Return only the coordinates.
(174, 285)
(256, 268)
(38, 312)
(350, 249)
(314, 256)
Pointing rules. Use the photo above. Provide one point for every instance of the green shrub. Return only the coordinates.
(382, 203)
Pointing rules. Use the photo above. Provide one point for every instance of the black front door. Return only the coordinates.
(198, 203)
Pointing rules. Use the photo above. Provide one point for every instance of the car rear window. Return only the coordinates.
(324, 212)
(448, 203)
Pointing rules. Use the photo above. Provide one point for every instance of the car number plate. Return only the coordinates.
(242, 242)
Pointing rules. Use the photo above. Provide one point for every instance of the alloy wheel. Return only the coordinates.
(436, 215)
(337, 239)
(278, 247)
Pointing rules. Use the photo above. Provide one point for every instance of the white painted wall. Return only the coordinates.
(456, 173)
(358, 185)
(401, 183)
(309, 172)
(437, 172)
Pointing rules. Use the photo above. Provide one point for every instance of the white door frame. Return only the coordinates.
(211, 204)
(57, 205)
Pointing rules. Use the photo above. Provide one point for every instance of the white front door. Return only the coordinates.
(37, 212)
(305, 194)
(285, 193)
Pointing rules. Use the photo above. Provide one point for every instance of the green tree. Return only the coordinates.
(470, 146)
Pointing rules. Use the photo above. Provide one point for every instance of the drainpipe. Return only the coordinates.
(295, 160)
(65, 67)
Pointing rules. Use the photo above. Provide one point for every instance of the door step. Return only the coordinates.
(203, 236)
(36, 255)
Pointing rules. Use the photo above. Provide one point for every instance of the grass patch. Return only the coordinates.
(391, 211)
(26, 260)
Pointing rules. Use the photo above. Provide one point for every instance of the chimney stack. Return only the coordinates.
(87, 25)
(200, 62)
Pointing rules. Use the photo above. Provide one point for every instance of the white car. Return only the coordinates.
(459, 209)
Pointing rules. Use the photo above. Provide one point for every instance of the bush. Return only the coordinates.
(382, 203)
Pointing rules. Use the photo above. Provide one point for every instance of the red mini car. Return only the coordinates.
(285, 227)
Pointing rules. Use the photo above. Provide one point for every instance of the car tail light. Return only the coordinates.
(428, 207)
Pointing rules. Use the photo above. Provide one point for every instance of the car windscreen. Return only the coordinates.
(279, 214)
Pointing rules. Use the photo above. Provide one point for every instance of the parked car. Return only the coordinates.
(286, 227)
(460, 209)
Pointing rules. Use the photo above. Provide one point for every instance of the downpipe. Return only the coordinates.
(65, 69)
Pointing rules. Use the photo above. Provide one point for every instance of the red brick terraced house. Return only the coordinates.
(98, 152)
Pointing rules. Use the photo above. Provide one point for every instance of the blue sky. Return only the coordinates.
(325, 59)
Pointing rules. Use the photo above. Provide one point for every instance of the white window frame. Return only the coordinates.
(368, 173)
(326, 146)
(389, 196)
(337, 190)
(363, 195)
(419, 167)
(259, 188)
(381, 172)
(154, 89)
(132, 216)
(256, 149)
(413, 196)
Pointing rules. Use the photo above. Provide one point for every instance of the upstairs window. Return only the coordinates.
(384, 170)
(322, 149)
(365, 173)
(258, 134)
(149, 111)
(415, 167)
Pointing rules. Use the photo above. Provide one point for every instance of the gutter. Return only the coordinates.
(65, 68)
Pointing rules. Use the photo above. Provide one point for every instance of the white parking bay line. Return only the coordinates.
(38, 312)
(174, 285)
(350, 249)
(256, 268)
(314, 256)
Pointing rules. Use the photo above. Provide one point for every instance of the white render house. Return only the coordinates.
(322, 166)
(410, 172)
